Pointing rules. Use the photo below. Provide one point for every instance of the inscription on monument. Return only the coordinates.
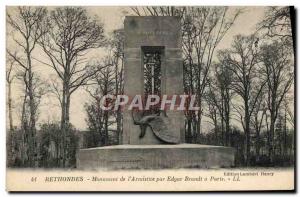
(158, 33)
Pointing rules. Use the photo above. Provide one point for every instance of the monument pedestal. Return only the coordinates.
(156, 157)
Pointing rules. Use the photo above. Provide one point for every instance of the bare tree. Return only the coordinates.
(290, 114)
(203, 29)
(277, 22)
(243, 61)
(259, 115)
(117, 45)
(220, 94)
(26, 22)
(108, 81)
(104, 84)
(159, 11)
(278, 72)
(213, 114)
(71, 33)
(10, 76)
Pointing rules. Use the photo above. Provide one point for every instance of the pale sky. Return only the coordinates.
(112, 18)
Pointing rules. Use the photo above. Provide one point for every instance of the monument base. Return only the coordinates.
(155, 157)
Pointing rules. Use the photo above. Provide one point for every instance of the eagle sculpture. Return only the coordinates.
(159, 124)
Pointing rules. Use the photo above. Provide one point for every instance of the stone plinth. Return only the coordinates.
(155, 157)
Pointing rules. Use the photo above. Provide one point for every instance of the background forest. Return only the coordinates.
(245, 92)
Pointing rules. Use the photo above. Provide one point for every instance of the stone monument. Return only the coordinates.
(153, 65)
(160, 36)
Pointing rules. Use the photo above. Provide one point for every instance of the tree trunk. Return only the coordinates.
(11, 127)
(198, 126)
(285, 134)
(247, 133)
(257, 145)
(9, 139)
(65, 111)
(194, 129)
(189, 129)
(32, 146)
(67, 132)
(222, 130)
(271, 143)
(216, 131)
(23, 144)
(227, 119)
(106, 128)
(227, 131)
(119, 126)
(272, 129)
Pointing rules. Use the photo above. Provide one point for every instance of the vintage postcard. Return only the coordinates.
(152, 98)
